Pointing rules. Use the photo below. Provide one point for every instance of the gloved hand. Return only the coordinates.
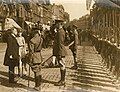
(11, 57)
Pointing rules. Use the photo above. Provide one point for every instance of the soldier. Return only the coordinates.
(12, 54)
(59, 50)
(35, 46)
(73, 45)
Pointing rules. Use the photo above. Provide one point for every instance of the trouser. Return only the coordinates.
(38, 78)
(75, 56)
(36, 68)
(11, 74)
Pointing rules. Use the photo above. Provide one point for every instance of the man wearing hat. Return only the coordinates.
(73, 45)
(35, 46)
(59, 50)
(12, 54)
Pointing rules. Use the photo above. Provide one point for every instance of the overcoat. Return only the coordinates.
(12, 49)
(58, 45)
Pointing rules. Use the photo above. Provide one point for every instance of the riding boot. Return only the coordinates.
(62, 80)
(75, 63)
(37, 82)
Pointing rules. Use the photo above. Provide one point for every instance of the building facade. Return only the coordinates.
(58, 11)
(26, 12)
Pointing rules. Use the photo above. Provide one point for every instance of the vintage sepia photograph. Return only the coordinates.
(59, 45)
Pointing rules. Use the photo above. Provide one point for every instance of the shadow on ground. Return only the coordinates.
(90, 75)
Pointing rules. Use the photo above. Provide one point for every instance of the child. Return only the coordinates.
(22, 52)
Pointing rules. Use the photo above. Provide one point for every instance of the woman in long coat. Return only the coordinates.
(12, 54)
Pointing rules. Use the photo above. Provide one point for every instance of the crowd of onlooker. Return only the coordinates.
(48, 33)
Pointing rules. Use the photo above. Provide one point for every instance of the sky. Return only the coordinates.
(76, 8)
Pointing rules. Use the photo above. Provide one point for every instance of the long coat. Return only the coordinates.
(35, 48)
(58, 45)
(12, 49)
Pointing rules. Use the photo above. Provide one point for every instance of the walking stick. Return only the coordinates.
(29, 76)
(29, 65)
(46, 60)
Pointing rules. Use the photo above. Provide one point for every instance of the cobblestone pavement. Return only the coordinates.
(89, 77)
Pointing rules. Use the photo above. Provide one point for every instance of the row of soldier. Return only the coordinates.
(17, 55)
(110, 55)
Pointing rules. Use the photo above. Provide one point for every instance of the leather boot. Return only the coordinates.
(75, 64)
(62, 81)
(37, 82)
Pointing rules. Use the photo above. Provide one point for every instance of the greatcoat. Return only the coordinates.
(12, 50)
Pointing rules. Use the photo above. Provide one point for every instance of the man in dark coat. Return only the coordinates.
(73, 45)
(12, 54)
(35, 46)
(59, 50)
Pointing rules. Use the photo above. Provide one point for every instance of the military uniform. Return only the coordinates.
(35, 45)
(58, 45)
(59, 50)
(73, 47)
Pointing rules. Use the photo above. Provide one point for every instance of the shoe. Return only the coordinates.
(60, 83)
(37, 89)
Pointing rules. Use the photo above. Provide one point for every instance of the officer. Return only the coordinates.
(73, 45)
(12, 54)
(59, 50)
(35, 46)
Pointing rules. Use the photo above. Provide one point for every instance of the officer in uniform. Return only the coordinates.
(73, 45)
(59, 50)
(35, 46)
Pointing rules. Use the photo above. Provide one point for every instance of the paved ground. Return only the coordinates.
(89, 77)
